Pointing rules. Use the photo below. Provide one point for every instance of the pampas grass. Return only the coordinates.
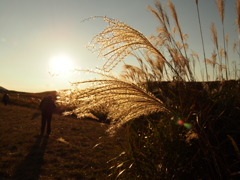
(176, 129)
(118, 41)
(124, 100)
(221, 6)
(238, 22)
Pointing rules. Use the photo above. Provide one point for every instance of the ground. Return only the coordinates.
(76, 149)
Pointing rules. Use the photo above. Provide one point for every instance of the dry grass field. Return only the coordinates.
(171, 124)
(76, 149)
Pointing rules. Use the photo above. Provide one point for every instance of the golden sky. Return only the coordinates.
(35, 34)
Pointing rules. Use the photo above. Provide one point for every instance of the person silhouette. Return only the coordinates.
(5, 99)
(47, 107)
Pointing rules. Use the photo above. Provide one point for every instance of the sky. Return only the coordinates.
(34, 34)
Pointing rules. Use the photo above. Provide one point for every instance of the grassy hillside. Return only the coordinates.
(77, 149)
(25, 98)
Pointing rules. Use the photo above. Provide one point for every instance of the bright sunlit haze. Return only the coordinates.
(38, 37)
(61, 63)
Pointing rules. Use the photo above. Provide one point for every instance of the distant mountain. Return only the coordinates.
(2, 88)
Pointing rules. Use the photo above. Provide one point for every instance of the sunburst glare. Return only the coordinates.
(60, 63)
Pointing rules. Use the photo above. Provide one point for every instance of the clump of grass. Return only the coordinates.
(177, 129)
(124, 100)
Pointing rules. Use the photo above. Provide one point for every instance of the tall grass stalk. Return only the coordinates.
(237, 4)
(215, 41)
(200, 27)
(175, 18)
(221, 6)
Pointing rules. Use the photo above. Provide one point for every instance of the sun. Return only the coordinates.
(61, 63)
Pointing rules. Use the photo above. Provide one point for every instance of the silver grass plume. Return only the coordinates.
(119, 40)
(124, 100)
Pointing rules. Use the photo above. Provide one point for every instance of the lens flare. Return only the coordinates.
(182, 123)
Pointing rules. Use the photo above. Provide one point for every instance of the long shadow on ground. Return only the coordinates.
(30, 168)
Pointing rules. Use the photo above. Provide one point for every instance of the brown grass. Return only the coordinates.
(238, 13)
(220, 6)
(77, 149)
